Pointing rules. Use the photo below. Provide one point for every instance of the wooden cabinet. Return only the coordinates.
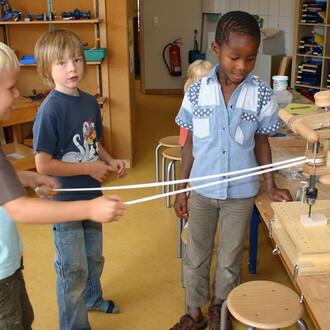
(112, 78)
(21, 36)
(310, 62)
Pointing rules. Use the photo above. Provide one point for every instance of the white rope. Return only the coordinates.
(157, 184)
(145, 199)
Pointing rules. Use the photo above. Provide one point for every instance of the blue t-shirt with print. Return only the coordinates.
(68, 128)
(223, 136)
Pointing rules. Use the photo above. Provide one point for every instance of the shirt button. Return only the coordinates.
(224, 128)
(231, 107)
(224, 152)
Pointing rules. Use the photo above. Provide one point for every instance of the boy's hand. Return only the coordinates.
(280, 195)
(118, 167)
(180, 206)
(34, 180)
(106, 208)
(99, 170)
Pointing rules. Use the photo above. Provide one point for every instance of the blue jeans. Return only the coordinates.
(78, 264)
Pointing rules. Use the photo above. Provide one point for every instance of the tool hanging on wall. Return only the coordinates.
(193, 54)
(175, 58)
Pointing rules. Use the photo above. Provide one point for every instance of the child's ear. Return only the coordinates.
(215, 48)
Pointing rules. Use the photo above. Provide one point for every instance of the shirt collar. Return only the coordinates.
(213, 77)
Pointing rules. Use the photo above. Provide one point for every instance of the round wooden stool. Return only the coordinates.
(169, 142)
(173, 154)
(264, 305)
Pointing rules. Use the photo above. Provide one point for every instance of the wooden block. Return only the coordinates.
(306, 246)
(314, 220)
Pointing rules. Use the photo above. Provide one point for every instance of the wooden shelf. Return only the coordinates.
(87, 62)
(302, 30)
(55, 21)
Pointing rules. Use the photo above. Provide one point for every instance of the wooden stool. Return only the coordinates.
(173, 154)
(169, 142)
(264, 305)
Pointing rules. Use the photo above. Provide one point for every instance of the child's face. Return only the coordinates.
(237, 58)
(67, 73)
(8, 91)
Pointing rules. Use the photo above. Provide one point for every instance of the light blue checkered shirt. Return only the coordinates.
(223, 137)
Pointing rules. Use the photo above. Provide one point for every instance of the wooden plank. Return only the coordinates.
(25, 163)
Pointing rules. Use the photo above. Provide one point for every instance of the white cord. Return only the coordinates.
(145, 199)
(156, 184)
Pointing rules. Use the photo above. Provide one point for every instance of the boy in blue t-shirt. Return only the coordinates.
(66, 134)
(228, 114)
(15, 308)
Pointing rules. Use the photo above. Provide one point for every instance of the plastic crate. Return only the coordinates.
(94, 54)
(28, 59)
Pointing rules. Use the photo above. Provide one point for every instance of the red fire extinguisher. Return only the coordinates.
(175, 58)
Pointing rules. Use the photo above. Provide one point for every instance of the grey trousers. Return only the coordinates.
(234, 217)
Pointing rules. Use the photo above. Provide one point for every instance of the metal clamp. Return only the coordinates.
(302, 298)
(276, 251)
(296, 270)
(271, 222)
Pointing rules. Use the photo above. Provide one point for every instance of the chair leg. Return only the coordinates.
(302, 324)
(169, 168)
(180, 226)
(157, 162)
(224, 315)
(163, 173)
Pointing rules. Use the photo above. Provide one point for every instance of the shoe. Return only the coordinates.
(188, 323)
(215, 318)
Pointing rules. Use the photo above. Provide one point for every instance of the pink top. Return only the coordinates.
(183, 136)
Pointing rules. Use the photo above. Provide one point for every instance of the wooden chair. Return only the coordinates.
(172, 154)
(169, 142)
(263, 305)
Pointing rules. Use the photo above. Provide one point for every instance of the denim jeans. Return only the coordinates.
(78, 264)
(16, 312)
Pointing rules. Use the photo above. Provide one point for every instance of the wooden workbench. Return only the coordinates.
(315, 288)
(20, 155)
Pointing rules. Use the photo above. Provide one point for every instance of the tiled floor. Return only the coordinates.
(142, 272)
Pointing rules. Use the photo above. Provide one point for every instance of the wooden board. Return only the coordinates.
(308, 247)
(26, 162)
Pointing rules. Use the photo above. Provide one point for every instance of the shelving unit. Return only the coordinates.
(21, 36)
(302, 30)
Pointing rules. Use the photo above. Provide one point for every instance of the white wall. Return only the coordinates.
(186, 17)
(177, 18)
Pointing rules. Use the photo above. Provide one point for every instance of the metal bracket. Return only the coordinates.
(296, 270)
(271, 222)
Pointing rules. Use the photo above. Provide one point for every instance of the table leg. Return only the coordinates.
(253, 250)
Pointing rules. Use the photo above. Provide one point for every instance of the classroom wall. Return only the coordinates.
(176, 20)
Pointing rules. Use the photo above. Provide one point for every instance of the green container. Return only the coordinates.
(92, 55)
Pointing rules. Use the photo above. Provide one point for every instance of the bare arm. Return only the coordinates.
(33, 180)
(46, 164)
(264, 156)
(117, 165)
(180, 204)
(33, 210)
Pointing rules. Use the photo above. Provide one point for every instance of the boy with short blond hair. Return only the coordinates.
(66, 134)
(15, 308)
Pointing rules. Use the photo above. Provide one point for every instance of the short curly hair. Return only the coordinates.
(51, 47)
(238, 22)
